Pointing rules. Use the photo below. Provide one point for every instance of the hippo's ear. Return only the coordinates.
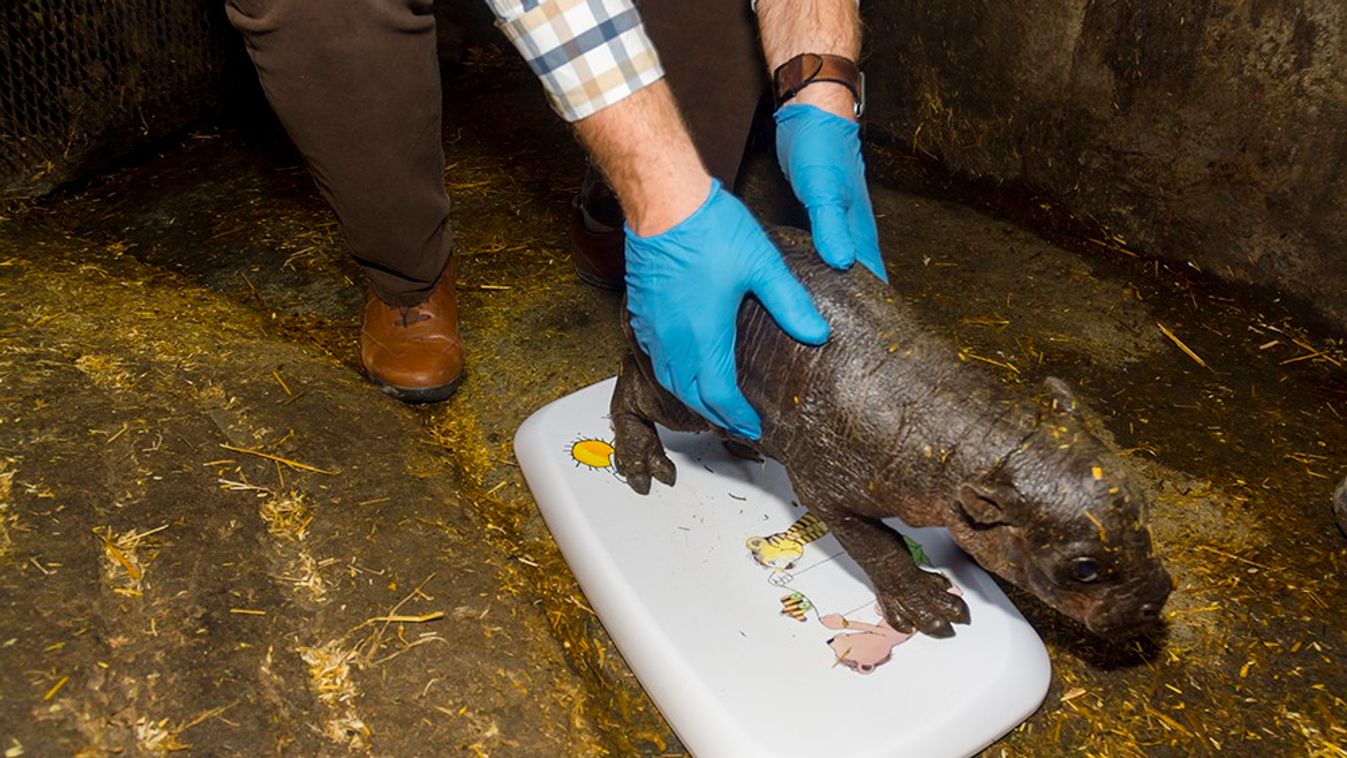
(1062, 397)
(986, 504)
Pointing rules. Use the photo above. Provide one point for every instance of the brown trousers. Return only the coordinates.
(356, 84)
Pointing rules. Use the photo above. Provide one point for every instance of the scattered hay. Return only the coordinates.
(1182, 346)
(211, 393)
(1294, 343)
(157, 737)
(310, 245)
(276, 458)
(105, 371)
(161, 738)
(1211, 521)
(287, 516)
(184, 358)
(1317, 743)
(301, 572)
(330, 666)
(330, 672)
(1186, 510)
(457, 431)
(9, 520)
(126, 564)
(484, 730)
(456, 427)
(330, 681)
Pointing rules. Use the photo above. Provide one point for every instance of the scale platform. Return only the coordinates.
(747, 624)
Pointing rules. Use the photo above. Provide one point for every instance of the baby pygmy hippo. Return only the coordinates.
(885, 420)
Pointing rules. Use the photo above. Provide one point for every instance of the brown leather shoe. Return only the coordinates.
(415, 353)
(599, 257)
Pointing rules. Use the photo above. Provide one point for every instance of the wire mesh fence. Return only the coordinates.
(85, 81)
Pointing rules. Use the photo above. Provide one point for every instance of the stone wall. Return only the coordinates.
(1208, 131)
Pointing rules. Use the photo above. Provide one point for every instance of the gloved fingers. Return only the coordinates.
(696, 367)
(821, 155)
(653, 348)
(719, 406)
(832, 235)
(787, 300)
(865, 236)
(663, 373)
(825, 193)
(689, 393)
(719, 392)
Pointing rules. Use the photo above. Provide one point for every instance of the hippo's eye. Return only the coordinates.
(1084, 570)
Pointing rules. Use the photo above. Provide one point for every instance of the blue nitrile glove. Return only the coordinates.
(821, 155)
(683, 291)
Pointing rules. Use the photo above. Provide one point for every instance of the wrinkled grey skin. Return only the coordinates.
(885, 420)
(1340, 506)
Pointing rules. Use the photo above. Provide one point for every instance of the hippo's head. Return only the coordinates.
(1059, 516)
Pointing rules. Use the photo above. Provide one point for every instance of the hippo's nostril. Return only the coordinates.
(1149, 611)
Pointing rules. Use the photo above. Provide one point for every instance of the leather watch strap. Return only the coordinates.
(807, 68)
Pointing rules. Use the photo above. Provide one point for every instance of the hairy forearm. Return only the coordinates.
(792, 27)
(644, 150)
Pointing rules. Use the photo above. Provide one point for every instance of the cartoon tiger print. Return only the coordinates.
(780, 551)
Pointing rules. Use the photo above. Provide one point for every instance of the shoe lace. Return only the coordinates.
(410, 314)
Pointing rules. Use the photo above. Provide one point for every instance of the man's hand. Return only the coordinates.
(821, 155)
(684, 288)
(691, 258)
(817, 137)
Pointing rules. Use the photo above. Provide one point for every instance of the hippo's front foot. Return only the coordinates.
(912, 599)
(634, 408)
(639, 455)
(923, 602)
(637, 404)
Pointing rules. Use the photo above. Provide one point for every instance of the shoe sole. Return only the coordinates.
(419, 395)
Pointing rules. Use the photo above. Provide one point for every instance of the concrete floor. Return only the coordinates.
(207, 518)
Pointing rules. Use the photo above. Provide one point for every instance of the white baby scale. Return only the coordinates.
(782, 654)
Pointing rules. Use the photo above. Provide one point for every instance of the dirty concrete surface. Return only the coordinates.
(215, 536)
(1199, 131)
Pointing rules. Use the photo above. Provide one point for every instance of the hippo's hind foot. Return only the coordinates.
(637, 404)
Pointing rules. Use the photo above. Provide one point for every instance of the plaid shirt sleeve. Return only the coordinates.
(589, 54)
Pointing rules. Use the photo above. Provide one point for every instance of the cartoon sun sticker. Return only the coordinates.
(593, 452)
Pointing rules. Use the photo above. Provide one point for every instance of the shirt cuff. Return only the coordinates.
(588, 54)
